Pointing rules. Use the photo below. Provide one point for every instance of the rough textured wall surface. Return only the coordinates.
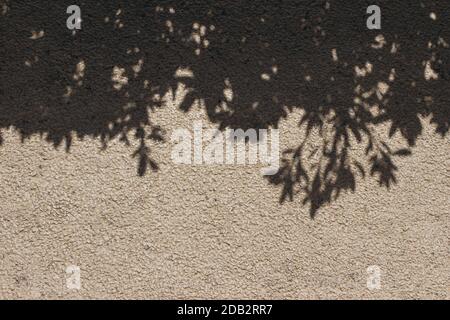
(88, 179)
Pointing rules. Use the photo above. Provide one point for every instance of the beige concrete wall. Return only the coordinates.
(214, 231)
(73, 194)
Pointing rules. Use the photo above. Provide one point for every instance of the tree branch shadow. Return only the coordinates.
(252, 65)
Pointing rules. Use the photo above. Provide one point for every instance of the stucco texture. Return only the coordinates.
(87, 177)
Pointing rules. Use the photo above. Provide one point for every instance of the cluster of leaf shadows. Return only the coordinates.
(317, 56)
